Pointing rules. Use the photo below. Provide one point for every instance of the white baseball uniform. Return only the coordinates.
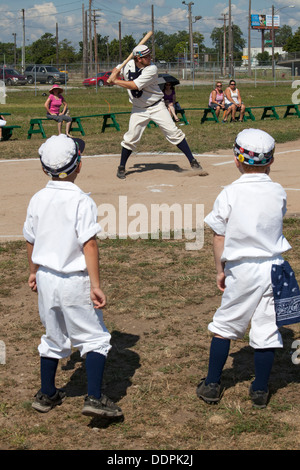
(147, 105)
(249, 214)
(65, 306)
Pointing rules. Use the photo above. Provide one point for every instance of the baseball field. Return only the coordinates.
(161, 295)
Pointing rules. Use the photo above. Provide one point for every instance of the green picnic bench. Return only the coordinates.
(270, 111)
(8, 130)
(36, 124)
(107, 117)
(209, 114)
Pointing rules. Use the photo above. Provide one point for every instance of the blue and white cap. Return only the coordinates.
(141, 51)
(254, 147)
(60, 155)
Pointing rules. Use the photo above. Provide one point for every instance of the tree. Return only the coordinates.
(7, 52)
(42, 51)
(282, 35)
(66, 52)
(169, 46)
(264, 58)
(217, 37)
(293, 43)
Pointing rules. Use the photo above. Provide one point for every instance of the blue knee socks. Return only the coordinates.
(184, 147)
(125, 154)
(94, 365)
(48, 367)
(219, 350)
(263, 362)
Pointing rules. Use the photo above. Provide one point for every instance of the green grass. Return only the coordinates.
(25, 104)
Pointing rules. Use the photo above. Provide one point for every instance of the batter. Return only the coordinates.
(141, 81)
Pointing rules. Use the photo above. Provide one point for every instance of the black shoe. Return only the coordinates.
(195, 164)
(259, 397)
(210, 393)
(121, 172)
(101, 407)
(44, 403)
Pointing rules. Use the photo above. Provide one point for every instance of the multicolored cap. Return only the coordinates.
(254, 147)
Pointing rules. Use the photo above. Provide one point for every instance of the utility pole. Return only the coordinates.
(153, 41)
(15, 49)
(95, 41)
(224, 43)
(120, 43)
(23, 46)
(249, 40)
(230, 58)
(83, 44)
(57, 56)
(90, 34)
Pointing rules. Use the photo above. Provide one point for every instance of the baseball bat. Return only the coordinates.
(145, 39)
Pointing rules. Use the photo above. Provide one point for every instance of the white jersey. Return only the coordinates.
(249, 213)
(146, 80)
(60, 219)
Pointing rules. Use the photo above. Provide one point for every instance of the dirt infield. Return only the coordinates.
(151, 179)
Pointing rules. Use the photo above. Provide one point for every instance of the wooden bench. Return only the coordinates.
(7, 131)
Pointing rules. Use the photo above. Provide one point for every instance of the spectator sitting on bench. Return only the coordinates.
(217, 99)
(170, 100)
(53, 105)
(233, 102)
(2, 124)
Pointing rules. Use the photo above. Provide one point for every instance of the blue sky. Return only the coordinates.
(135, 17)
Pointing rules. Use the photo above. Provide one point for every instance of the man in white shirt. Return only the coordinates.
(141, 81)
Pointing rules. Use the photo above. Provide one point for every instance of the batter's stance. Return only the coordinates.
(141, 81)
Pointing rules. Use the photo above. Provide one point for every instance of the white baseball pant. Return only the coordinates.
(69, 316)
(248, 299)
(139, 119)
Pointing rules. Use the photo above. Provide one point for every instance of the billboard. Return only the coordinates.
(264, 21)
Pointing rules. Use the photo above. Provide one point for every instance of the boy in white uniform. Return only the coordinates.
(247, 220)
(141, 81)
(60, 230)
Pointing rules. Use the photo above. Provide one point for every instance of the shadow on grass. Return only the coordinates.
(120, 367)
(284, 371)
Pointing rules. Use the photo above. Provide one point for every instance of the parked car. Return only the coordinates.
(12, 77)
(45, 74)
(101, 80)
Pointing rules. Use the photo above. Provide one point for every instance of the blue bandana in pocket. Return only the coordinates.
(286, 294)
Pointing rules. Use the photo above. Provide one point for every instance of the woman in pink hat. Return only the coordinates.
(53, 105)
